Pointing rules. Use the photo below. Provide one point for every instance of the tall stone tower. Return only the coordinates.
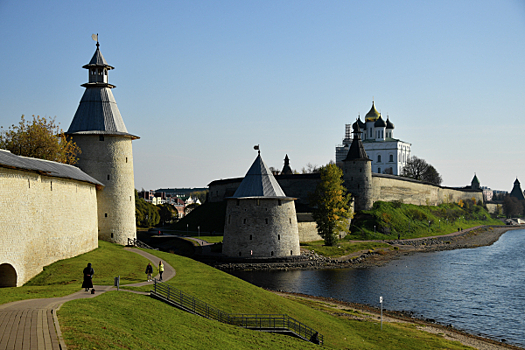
(260, 219)
(99, 131)
(357, 172)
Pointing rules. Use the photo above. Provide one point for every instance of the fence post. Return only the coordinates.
(169, 292)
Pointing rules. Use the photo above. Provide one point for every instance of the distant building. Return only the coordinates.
(388, 155)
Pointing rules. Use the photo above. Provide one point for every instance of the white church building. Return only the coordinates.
(388, 154)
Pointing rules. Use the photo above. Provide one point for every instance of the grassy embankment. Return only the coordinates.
(117, 320)
(388, 219)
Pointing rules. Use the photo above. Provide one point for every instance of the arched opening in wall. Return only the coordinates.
(291, 252)
(7, 276)
(240, 253)
(272, 253)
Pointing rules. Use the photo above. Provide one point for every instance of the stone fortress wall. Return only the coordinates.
(43, 219)
(254, 227)
(389, 188)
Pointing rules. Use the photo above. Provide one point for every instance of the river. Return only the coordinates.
(479, 290)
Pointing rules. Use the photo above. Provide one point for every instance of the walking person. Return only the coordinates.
(161, 269)
(88, 277)
(149, 271)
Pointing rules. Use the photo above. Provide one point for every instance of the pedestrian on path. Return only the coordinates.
(161, 269)
(88, 277)
(149, 271)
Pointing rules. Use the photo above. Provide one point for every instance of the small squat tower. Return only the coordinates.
(98, 129)
(260, 219)
(357, 172)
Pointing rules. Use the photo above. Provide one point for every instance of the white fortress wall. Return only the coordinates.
(43, 219)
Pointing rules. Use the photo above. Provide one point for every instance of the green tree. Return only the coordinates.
(331, 204)
(39, 138)
(512, 207)
(167, 213)
(201, 195)
(146, 214)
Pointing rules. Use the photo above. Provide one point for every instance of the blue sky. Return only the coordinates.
(201, 82)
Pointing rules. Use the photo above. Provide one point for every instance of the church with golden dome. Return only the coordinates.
(388, 154)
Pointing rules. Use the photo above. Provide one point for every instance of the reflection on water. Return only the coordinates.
(480, 290)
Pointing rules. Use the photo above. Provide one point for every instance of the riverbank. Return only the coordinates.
(470, 238)
(368, 313)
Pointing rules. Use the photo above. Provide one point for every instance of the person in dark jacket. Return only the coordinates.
(149, 271)
(88, 277)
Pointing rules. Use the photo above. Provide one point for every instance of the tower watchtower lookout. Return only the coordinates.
(99, 131)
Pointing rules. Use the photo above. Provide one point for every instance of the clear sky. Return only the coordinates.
(201, 82)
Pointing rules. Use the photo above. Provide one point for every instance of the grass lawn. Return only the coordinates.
(210, 239)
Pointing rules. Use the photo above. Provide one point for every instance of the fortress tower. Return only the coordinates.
(99, 131)
(260, 219)
(357, 172)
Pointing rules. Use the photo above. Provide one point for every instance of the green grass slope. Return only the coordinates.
(388, 219)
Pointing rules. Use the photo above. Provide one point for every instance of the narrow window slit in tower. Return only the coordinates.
(108, 177)
(250, 237)
(278, 237)
(266, 220)
(106, 215)
(101, 137)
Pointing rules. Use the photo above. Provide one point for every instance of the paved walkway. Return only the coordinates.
(33, 324)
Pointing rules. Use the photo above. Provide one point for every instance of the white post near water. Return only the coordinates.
(381, 302)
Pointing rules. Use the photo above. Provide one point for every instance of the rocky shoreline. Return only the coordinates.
(471, 238)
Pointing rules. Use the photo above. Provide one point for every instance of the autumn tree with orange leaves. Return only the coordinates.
(331, 204)
(39, 138)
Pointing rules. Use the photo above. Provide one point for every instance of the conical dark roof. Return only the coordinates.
(259, 182)
(97, 112)
(287, 170)
(516, 191)
(357, 150)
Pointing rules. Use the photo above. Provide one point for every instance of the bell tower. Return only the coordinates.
(98, 129)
